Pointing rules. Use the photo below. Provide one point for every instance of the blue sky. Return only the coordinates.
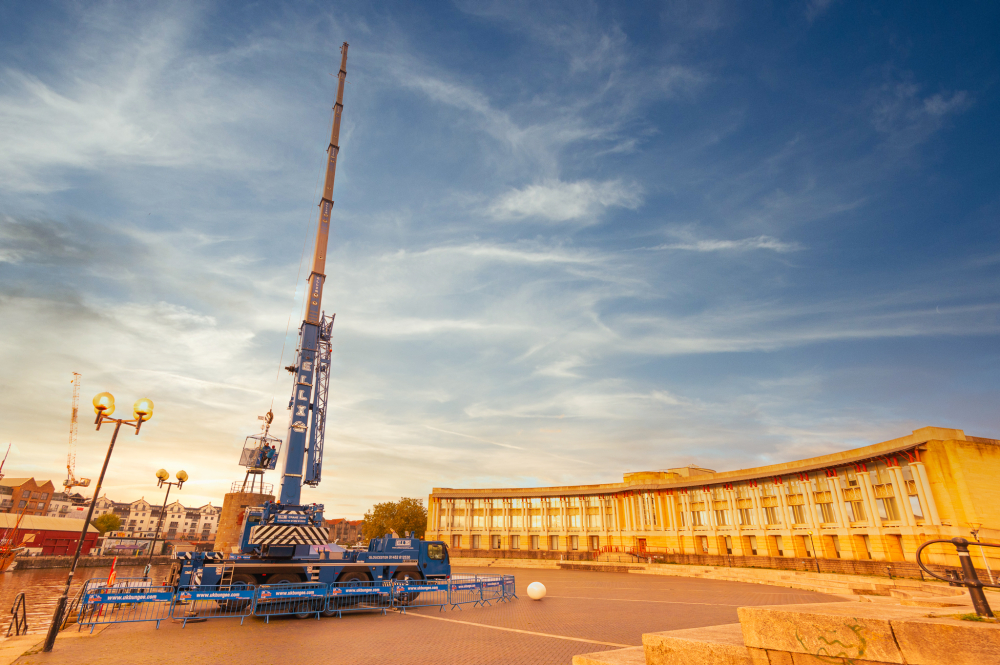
(569, 241)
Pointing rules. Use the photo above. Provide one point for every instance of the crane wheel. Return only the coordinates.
(407, 576)
(352, 602)
(239, 580)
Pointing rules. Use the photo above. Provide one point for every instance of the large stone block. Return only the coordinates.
(940, 641)
(711, 645)
(858, 631)
(628, 656)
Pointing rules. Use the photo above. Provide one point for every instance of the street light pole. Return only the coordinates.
(162, 476)
(104, 405)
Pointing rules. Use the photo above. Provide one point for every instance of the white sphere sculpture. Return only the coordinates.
(536, 591)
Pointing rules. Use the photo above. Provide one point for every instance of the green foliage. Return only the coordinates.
(975, 617)
(107, 522)
(399, 516)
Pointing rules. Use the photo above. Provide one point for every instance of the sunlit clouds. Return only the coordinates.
(569, 241)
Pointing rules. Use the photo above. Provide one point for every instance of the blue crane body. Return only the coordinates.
(286, 541)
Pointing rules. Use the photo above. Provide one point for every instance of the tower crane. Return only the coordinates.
(71, 480)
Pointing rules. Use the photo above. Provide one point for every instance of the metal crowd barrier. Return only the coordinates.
(301, 600)
(129, 601)
(212, 602)
(420, 593)
(359, 596)
(122, 605)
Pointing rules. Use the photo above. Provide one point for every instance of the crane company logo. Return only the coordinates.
(403, 544)
(264, 593)
(184, 596)
(335, 591)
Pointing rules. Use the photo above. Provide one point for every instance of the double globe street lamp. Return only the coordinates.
(162, 476)
(104, 406)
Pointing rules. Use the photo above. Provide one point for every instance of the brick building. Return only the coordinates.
(876, 503)
(344, 531)
(25, 494)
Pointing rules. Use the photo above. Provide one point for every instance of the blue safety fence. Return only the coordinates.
(509, 592)
(300, 600)
(137, 600)
(360, 596)
(125, 605)
(420, 593)
(213, 602)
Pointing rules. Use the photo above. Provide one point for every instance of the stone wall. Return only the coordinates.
(34, 562)
(230, 523)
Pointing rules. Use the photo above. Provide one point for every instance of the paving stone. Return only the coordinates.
(859, 631)
(942, 641)
(711, 645)
(629, 656)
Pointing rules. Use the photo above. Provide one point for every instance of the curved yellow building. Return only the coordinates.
(876, 503)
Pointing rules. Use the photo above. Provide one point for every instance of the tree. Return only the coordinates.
(107, 522)
(399, 516)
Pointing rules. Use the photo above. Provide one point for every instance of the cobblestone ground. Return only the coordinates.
(583, 612)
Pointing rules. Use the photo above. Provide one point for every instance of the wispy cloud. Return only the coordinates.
(742, 245)
(566, 201)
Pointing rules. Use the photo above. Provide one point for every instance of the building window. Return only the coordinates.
(574, 542)
(753, 545)
(836, 545)
(475, 542)
(515, 542)
(703, 542)
(574, 521)
(534, 543)
(495, 542)
(779, 545)
(729, 545)
(536, 521)
(555, 521)
(45, 495)
(722, 517)
(824, 512)
(868, 545)
(887, 509)
(456, 542)
(771, 514)
(797, 515)
(496, 521)
(855, 511)
(553, 542)
(915, 506)
(746, 516)
(595, 543)
(594, 521)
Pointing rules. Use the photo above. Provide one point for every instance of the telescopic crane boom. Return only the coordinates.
(71, 480)
(304, 453)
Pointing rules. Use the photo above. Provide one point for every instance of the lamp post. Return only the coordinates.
(161, 477)
(104, 406)
(812, 544)
(976, 526)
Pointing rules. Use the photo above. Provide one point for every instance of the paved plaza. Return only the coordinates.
(582, 613)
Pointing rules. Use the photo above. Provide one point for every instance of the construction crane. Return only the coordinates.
(287, 541)
(71, 480)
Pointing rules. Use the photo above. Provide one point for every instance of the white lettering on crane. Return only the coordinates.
(300, 410)
(307, 366)
(302, 395)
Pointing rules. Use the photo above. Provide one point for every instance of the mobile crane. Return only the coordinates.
(286, 541)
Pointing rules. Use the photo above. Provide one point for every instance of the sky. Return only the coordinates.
(570, 240)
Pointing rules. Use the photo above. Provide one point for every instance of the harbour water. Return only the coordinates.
(42, 588)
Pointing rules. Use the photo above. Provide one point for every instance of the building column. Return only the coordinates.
(838, 502)
(902, 496)
(868, 495)
(924, 493)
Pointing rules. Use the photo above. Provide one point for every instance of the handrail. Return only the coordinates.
(970, 579)
(18, 621)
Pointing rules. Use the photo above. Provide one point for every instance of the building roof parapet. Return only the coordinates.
(845, 458)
